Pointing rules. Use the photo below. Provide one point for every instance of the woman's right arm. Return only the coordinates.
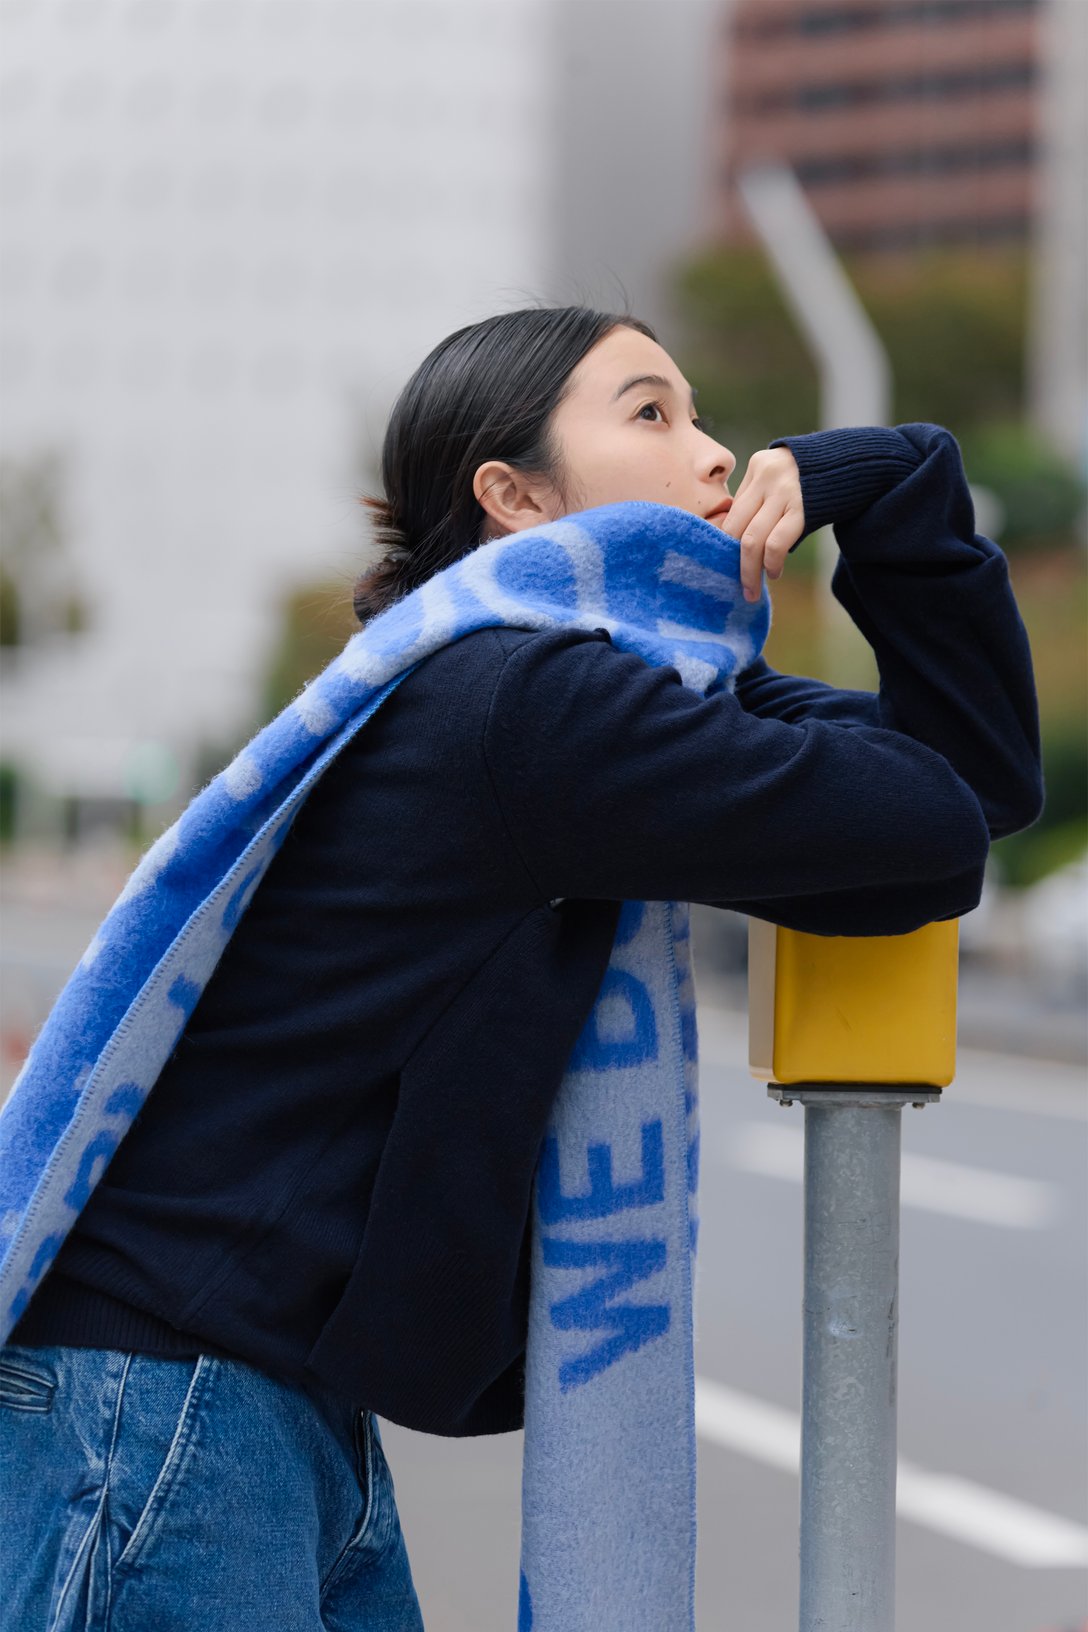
(616, 781)
(933, 599)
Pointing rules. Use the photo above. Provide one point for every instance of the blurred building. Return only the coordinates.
(908, 122)
(632, 131)
(1058, 343)
(231, 229)
(923, 123)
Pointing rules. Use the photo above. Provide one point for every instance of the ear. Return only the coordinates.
(513, 500)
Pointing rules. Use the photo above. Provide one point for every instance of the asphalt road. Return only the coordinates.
(992, 1533)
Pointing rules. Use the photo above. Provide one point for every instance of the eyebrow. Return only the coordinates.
(650, 379)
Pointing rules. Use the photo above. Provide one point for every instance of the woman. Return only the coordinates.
(320, 1213)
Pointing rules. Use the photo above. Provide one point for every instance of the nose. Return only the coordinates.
(718, 463)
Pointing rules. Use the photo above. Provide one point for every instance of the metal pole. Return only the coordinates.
(855, 372)
(850, 1313)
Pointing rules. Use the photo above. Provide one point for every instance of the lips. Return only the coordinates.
(719, 510)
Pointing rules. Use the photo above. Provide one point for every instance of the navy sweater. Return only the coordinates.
(332, 1177)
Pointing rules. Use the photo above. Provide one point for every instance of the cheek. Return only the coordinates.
(640, 470)
(609, 469)
(607, 478)
(652, 474)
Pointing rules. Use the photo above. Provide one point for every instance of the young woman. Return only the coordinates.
(320, 1214)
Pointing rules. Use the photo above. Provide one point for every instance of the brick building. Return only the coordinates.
(908, 122)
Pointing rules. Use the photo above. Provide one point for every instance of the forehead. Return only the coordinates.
(620, 354)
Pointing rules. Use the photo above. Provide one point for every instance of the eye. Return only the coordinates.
(700, 423)
(660, 406)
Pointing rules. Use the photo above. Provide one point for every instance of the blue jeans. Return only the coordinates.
(141, 1493)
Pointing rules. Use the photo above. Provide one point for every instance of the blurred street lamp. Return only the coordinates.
(855, 374)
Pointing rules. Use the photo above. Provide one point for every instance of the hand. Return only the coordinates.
(767, 516)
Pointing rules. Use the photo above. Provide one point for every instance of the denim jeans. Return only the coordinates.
(141, 1493)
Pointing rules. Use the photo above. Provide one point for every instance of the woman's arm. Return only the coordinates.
(765, 692)
(933, 599)
(616, 781)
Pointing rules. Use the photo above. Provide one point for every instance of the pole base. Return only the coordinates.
(837, 1093)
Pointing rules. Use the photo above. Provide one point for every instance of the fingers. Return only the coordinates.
(755, 538)
(780, 541)
(745, 507)
(764, 544)
(767, 517)
(752, 493)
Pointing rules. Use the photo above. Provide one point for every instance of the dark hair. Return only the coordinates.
(485, 392)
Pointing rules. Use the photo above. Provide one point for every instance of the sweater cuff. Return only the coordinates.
(845, 470)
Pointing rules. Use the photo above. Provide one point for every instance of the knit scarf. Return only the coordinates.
(608, 1474)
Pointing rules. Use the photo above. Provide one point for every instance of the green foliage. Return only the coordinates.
(75, 618)
(1042, 496)
(1024, 858)
(317, 621)
(31, 503)
(36, 597)
(9, 610)
(9, 793)
(1062, 830)
(953, 322)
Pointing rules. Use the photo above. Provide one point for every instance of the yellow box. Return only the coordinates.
(853, 1008)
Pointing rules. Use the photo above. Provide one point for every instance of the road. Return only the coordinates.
(992, 1534)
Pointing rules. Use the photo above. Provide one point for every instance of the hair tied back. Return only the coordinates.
(387, 528)
(381, 584)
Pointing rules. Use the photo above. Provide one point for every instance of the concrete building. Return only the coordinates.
(231, 229)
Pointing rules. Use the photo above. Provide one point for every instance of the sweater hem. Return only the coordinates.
(64, 1311)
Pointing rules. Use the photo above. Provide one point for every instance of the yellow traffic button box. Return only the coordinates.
(852, 1008)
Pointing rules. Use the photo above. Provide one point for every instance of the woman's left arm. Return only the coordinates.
(933, 599)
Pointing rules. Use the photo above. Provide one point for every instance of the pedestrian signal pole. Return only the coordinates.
(853, 1028)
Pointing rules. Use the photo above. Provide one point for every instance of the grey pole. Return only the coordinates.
(850, 1353)
(848, 1445)
(855, 373)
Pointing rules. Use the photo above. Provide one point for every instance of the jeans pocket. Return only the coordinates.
(155, 1434)
(364, 1446)
(26, 1383)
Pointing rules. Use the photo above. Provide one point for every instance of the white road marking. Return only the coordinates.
(928, 1182)
(1011, 1530)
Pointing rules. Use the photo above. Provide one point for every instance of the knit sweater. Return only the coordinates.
(330, 1179)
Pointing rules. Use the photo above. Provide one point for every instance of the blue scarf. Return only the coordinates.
(608, 1478)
